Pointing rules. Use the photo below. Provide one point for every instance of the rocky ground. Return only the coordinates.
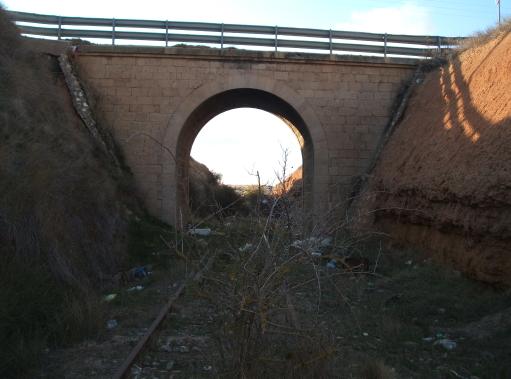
(278, 307)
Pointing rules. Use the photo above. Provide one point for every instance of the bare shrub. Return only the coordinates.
(261, 332)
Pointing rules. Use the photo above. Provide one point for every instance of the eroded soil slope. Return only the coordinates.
(443, 181)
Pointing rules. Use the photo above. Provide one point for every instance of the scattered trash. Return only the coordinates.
(112, 324)
(428, 339)
(140, 272)
(136, 370)
(136, 288)
(299, 243)
(408, 263)
(325, 242)
(446, 344)
(109, 297)
(200, 232)
(207, 368)
(355, 264)
(166, 348)
(331, 264)
(316, 246)
(135, 273)
(365, 334)
(245, 248)
(441, 310)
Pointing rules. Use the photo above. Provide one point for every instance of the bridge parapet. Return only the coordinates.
(241, 55)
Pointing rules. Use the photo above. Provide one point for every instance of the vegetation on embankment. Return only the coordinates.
(443, 179)
(207, 192)
(64, 211)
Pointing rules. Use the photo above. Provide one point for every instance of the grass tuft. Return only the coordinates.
(484, 37)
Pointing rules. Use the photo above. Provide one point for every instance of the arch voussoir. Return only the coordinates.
(214, 97)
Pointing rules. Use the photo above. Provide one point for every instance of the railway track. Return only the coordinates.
(137, 352)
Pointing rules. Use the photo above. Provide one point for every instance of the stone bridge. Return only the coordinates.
(156, 100)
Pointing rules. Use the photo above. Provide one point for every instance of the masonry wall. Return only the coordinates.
(138, 92)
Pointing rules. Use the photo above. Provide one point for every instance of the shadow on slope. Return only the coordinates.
(64, 210)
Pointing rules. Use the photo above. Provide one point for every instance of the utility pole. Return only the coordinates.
(498, 4)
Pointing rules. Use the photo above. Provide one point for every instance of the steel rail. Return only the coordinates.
(142, 344)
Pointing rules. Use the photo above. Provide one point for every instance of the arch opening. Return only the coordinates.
(242, 142)
(234, 99)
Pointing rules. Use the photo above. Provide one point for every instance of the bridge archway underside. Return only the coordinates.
(156, 103)
(243, 98)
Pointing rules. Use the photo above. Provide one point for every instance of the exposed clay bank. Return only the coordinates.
(443, 181)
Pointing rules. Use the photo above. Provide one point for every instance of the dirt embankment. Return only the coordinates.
(65, 209)
(207, 192)
(62, 199)
(292, 185)
(443, 181)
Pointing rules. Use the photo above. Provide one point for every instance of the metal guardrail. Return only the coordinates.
(225, 34)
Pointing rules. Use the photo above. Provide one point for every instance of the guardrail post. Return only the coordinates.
(222, 37)
(276, 37)
(113, 31)
(306, 39)
(330, 40)
(59, 32)
(166, 33)
(385, 46)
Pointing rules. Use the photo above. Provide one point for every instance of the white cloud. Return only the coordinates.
(406, 18)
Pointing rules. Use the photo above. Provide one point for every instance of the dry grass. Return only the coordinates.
(64, 209)
(260, 332)
(60, 198)
(483, 37)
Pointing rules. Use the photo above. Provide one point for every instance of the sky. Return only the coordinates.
(232, 135)
(438, 17)
(245, 133)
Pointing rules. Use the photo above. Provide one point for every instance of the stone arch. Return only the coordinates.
(249, 90)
